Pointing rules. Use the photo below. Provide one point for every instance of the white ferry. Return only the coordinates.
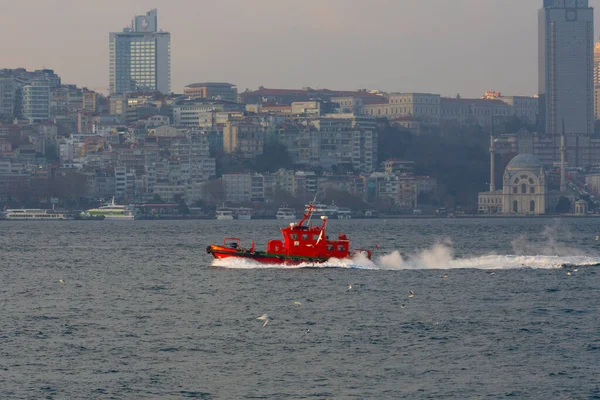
(243, 213)
(33, 215)
(344, 213)
(111, 211)
(224, 215)
(322, 210)
(286, 214)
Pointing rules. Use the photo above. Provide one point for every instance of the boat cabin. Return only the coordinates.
(309, 241)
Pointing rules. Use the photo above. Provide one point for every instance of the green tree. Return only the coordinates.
(563, 206)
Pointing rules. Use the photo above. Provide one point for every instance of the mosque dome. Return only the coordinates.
(524, 161)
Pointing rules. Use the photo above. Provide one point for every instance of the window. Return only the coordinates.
(523, 188)
(532, 189)
(330, 247)
(294, 236)
(341, 247)
(515, 189)
(305, 236)
(532, 206)
(515, 206)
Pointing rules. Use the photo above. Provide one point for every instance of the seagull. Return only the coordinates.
(575, 270)
(597, 238)
(297, 303)
(265, 318)
(403, 306)
(61, 281)
(308, 331)
(349, 286)
(568, 273)
(445, 275)
(411, 294)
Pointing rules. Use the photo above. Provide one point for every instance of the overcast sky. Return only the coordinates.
(439, 46)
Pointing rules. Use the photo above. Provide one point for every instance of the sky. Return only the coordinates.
(435, 46)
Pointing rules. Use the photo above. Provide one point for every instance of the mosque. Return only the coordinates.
(524, 187)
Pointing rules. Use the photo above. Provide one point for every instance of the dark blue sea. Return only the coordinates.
(143, 312)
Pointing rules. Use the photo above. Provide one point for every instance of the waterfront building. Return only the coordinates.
(566, 67)
(212, 91)
(140, 57)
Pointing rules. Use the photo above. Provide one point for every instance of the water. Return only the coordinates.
(143, 315)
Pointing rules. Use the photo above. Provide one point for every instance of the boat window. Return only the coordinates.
(330, 247)
(305, 236)
(294, 236)
(315, 237)
(341, 247)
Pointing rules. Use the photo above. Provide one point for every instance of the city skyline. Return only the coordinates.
(390, 46)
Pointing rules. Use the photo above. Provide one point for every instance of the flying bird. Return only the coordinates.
(568, 274)
(411, 294)
(403, 306)
(445, 275)
(349, 286)
(297, 303)
(265, 318)
(61, 281)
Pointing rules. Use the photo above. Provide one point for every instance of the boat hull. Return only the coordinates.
(221, 253)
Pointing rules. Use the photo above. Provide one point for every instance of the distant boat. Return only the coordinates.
(243, 213)
(224, 215)
(111, 211)
(286, 214)
(344, 213)
(33, 215)
(322, 210)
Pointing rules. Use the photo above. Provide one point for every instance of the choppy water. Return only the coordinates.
(143, 315)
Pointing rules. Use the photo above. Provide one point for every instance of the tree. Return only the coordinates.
(156, 199)
(563, 206)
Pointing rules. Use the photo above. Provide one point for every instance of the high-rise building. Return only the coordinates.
(36, 101)
(597, 80)
(566, 48)
(8, 90)
(140, 57)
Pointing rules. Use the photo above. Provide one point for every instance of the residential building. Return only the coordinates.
(212, 91)
(200, 112)
(566, 67)
(36, 102)
(243, 136)
(8, 92)
(140, 57)
(238, 187)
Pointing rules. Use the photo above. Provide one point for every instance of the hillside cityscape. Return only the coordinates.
(373, 152)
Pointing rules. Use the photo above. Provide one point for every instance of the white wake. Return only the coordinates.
(440, 256)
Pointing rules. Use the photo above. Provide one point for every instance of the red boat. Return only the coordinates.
(302, 243)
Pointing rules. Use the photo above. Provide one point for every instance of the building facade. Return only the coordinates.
(36, 102)
(140, 57)
(566, 67)
(212, 91)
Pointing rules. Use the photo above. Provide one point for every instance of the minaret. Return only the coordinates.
(563, 185)
(492, 164)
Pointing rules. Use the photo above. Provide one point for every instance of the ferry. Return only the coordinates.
(302, 243)
(286, 214)
(243, 213)
(321, 210)
(33, 215)
(224, 215)
(111, 211)
(344, 213)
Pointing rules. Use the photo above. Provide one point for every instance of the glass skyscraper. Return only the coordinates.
(140, 57)
(566, 67)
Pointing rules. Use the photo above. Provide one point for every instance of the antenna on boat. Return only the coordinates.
(310, 208)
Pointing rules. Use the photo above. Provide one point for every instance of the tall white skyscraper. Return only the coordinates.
(566, 66)
(140, 57)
